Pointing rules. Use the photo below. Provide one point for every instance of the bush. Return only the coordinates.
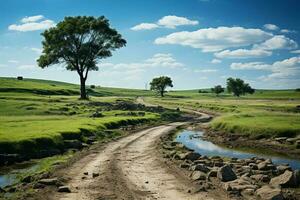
(170, 115)
(297, 90)
(93, 86)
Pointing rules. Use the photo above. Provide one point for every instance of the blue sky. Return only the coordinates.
(199, 43)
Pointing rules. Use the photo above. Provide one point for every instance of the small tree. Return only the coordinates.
(238, 87)
(218, 89)
(79, 43)
(160, 84)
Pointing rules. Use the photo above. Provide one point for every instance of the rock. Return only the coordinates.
(64, 189)
(281, 139)
(296, 175)
(284, 180)
(38, 186)
(184, 165)
(2, 190)
(282, 168)
(200, 167)
(260, 178)
(291, 140)
(180, 156)
(192, 156)
(265, 166)
(226, 173)
(86, 173)
(253, 166)
(48, 181)
(95, 175)
(198, 175)
(270, 193)
(27, 179)
(212, 173)
(297, 144)
(238, 185)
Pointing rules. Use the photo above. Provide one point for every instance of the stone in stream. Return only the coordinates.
(198, 175)
(268, 192)
(282, 168)
(226, 173)
(64, 189)
(287, 179)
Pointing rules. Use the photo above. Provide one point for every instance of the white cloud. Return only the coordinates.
(216, 39)
(283, 69)
(296, 51)
(277, 42)
(27, 67)
(271, 27)
(170, 21)
(144, 26)
(32, 23)
(32, 18)
(13, 61)
(36, 50)
(287, 31)
(215, 61)
(250, 65)
(157, 60)
(2, 65)
(243, 53)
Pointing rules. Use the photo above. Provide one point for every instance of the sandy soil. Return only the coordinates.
(130, 168)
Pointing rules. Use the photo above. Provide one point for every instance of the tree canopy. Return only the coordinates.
(218, 89)
(160, 84)
(79, 43)
(238, 87)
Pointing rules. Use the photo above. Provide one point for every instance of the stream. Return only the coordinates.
(10, 175)
(193, 140)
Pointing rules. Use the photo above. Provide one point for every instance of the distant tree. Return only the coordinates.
(297, 89)
(218, 89)
(160, 84)
(79, 43)
(238, 87)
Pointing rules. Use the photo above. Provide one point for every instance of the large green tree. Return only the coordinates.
(79, 43)
(160, 84)
(238, 87)
(218, 89)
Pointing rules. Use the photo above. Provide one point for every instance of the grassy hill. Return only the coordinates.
(39, 115)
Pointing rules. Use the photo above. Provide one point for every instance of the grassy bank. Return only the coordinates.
(268, 114)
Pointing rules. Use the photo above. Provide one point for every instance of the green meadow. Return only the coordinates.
(266, 113)
(39, 114)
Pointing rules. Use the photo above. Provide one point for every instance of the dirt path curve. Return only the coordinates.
(129, 168)
(203, 117)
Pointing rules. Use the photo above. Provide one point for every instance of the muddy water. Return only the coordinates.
(193, 140)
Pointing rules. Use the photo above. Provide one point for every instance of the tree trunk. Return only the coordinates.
(82, 89)
(162, 93)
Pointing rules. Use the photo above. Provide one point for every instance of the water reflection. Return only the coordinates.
(192, 140)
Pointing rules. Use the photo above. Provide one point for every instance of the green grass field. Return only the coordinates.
(267, 113)
(31, 120)
(38, 112)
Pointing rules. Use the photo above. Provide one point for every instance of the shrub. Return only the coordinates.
(93, 86)
(170, 115)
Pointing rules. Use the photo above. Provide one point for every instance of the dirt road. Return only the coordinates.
(130, 168)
